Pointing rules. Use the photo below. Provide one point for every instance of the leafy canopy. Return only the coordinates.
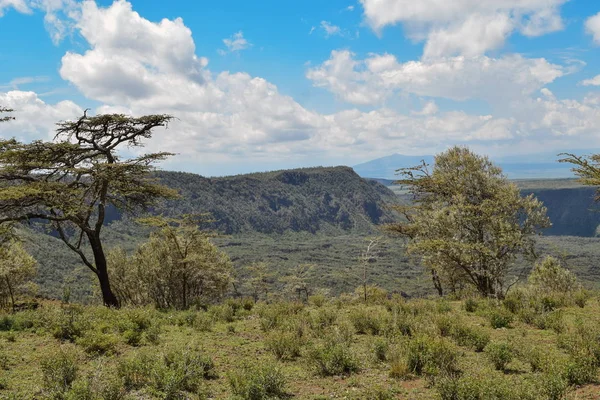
(468, 223)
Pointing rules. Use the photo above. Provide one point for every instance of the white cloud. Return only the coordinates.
(372, 80)
(331, 30)
(135, 66)
(236, 42)
(34, 119)
(592, 26)
(350, 8)
(595, 81)
(465, 27)
(19, 5)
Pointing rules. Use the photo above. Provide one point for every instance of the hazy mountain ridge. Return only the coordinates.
(534, 168)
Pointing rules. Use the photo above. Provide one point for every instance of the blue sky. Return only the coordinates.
(277, 84)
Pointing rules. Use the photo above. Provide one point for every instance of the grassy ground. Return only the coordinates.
(330, 348)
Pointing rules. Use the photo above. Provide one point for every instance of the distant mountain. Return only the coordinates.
(538, 167)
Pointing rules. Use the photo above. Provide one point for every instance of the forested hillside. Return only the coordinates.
(310, 200)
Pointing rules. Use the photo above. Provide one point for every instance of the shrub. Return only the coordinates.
(471, 305)
(69, 324)
(399, 368)
(429, 356)
(366, 321)
(553, 386)
(223, 312)
(169, 373)
(59, 371)
(550, 320)
(500, 318)
(258, 382)
(483, 388)
(332, 358)
(97, 343)
(445, 324)
(203, 322)
(581, 297)
(284, 345)
(317, 300)
(380, 349)
(549, 276)
(500, 354)
(581, 370)
(471, 337)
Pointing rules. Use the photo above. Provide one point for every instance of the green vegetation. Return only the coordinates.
(467, 222)
(286, 349)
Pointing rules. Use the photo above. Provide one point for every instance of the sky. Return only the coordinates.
(274, 84)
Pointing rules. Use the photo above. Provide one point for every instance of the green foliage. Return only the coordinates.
(17, 267)
(500, 354)
(97, 343)
(177, 267)
(265, 381)
(548, 276)
(472, 337)
(471, 304)
(500, 318)
(284, 345)
(468, 222)
(332, 357)
(367, 320)
(430, 356)
(59, 371)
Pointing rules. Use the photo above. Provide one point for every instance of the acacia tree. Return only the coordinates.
(69, 182)
(467, 222)
(587, 168)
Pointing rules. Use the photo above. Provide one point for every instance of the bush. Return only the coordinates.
(203, 322)
(332, 358)
(59, 371)
(471, 305)
(317, 300)
(500, 354)
(380, 349)
(581, 297)
(96, 343)
(581, 371)
(428, 356)
(171, 373)
(466, 336)
(500, 318)
(445, 324)
(548, 276)
(69, 324)
(366, 320)
(553, 386)
(258, 382)
(284, 345)
(550, 320)
(483, 388)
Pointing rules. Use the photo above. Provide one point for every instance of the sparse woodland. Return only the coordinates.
(174, 302)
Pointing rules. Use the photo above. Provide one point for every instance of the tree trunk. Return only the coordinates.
(12, 295)
(108, 297)
(437, 283)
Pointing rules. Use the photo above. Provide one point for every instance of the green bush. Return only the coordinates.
(381, 348)
(171, 373)
(581, 297)
(472, 337)
(59, 371)
(203, 322)
(471, 305)
(431, 356)
(258, 382)
(366, 320)
(553, 386)
(332, 357)
(69, 324)
(445, 324)
(284, 345)
(324, 317)
(97, 343)
(581, 370)
(500, 354)
(317, 300)
(485, 387)
(500, 318)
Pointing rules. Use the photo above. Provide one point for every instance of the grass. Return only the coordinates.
(396, 349)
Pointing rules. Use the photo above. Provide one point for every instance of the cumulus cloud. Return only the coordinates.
(592, 26)
(465, 27)
(372, 80)
(34, 119)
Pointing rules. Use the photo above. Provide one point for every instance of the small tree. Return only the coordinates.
(297, 282)
(468, 223)
(70, 182)
(17, 268)
(177, 266)
(261, 280)
(549, 276)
